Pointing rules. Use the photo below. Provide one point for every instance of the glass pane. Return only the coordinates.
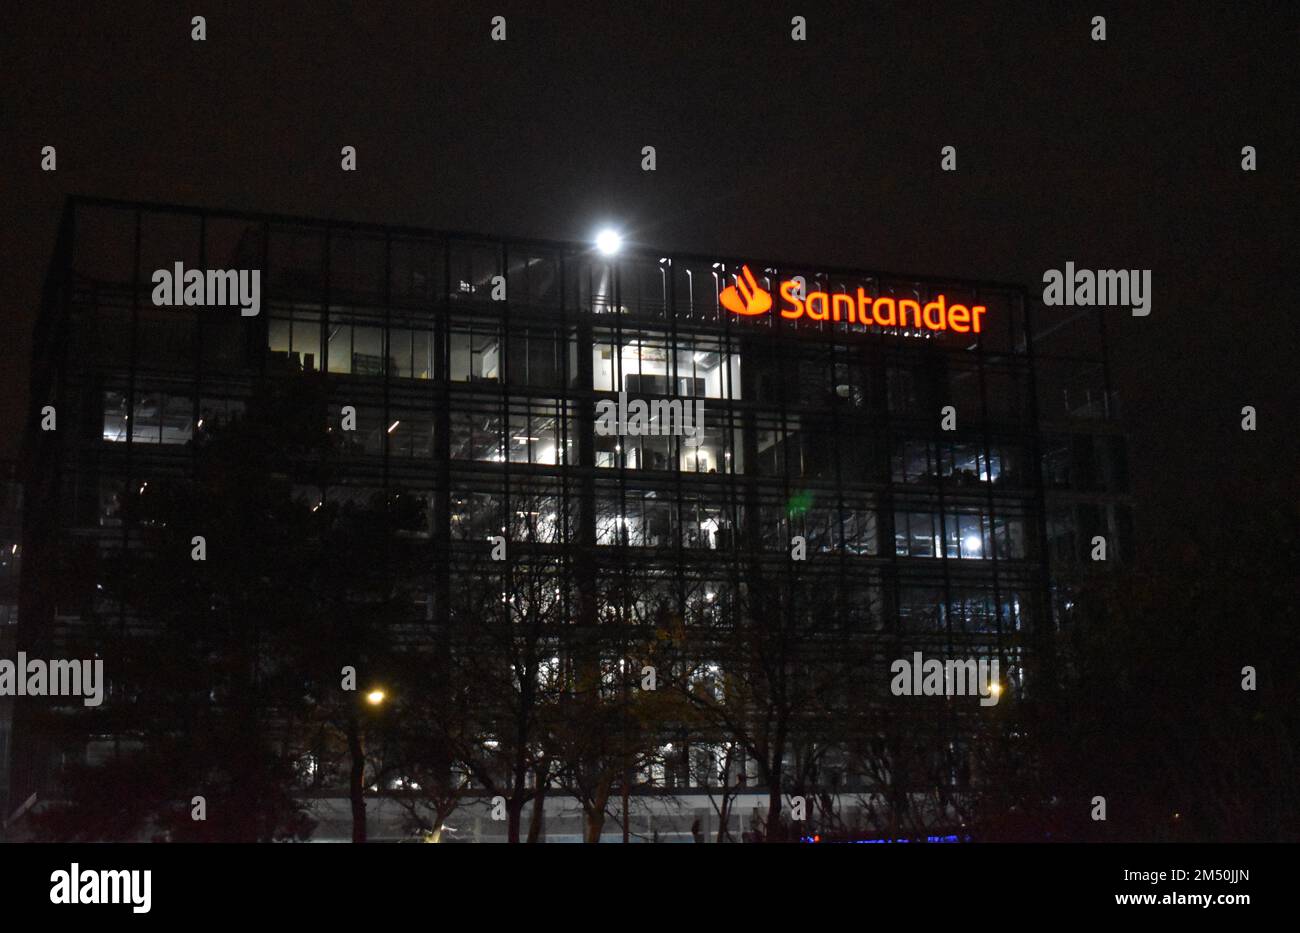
(115, 419)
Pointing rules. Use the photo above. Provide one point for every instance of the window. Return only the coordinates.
(1009, 537)
(814, 386)
(410, 348)
(595, 286)
(903, 392)
(644, 367)
(534, 431)
(770, 447)
(534, 358)
(812, 441)
(648, 364)
(610, 526)
(534, 279)
(475, 353)
(860, 532)
(648, 519)
(413, 511)
(967, 536)
(410, 436)
(477, 435)
(367, 351)
(696, 288)
(817, 523)
(304, 340)
(774, 524)
(703, 369)
(920, 609)
(357, 346)
(115, 417)
(536, 516)
(371, 429)
(859, 454)
(356, 268)
(1007, 465)
(704, 525)
(473, 266)
(166, 338)
(158, 418)
(416, 273)
(1056, 461)
(710, 454)
(963, 463)
(849, 378)
(1062, 536)
(476, 515)
(916, 534)
(295, 256)
(650, 452)
(913, 462)
(218, 411)
(112, 495)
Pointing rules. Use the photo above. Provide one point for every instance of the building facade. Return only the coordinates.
(911, 442)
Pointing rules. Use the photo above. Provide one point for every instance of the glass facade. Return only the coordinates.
(933, 490)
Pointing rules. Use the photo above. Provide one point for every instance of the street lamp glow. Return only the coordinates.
(375, 697)
(609, 242)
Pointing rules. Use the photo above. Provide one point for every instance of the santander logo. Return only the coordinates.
(748, 299)
(745, 297)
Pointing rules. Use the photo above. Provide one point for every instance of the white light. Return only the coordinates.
(973, 543)
(609, 242)
(393, 427)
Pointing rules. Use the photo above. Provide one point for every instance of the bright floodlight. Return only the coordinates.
(375, 697)
(608, 242)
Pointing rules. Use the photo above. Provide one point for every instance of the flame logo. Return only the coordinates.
(745, 297)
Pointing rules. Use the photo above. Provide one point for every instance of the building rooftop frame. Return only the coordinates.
(76, 200)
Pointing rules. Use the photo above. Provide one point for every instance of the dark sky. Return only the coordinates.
(1122, 154)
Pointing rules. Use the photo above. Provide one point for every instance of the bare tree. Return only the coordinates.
(760, 667)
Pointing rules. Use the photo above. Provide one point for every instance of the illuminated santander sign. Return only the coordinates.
(748, 299)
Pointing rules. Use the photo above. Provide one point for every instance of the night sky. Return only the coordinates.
(1116, 154)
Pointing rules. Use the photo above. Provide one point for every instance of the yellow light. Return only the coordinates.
(995, 688)
(375, 697)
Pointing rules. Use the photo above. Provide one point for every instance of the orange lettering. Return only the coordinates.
(822, 299)
(847, 301)
(875, 312)
(959, 318)
(788, 293)
(978, 309)
(938, 305)
(902, 312)
(864, 308)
